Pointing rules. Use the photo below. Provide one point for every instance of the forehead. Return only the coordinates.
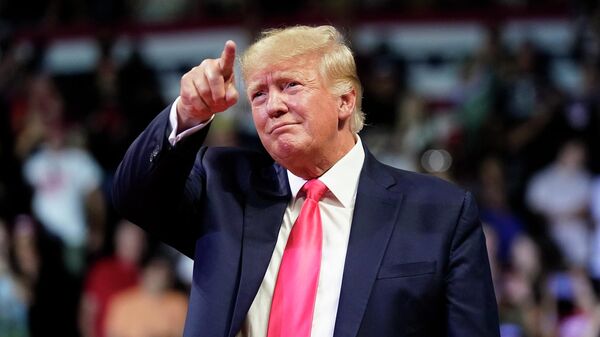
(304, 66)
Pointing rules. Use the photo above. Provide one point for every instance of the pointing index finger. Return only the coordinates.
(227, 59)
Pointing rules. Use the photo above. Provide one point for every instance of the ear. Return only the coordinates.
(346, 102)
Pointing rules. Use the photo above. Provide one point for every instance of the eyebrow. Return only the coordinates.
(253, 87)
(284, 74)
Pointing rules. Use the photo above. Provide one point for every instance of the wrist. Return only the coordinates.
(186, 120)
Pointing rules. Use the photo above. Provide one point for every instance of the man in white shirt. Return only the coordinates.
(401, 254)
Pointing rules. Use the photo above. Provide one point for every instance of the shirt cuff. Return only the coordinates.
(173, 136)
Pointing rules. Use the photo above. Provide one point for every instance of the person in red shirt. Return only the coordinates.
(109, 276)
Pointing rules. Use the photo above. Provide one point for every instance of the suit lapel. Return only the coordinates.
(375, 213)
(264, 211)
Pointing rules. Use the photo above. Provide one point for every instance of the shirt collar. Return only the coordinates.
(341, 179)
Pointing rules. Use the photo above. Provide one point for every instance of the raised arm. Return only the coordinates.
(158, 184)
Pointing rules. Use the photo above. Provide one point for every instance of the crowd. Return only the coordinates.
(528, 150)
(70, 266)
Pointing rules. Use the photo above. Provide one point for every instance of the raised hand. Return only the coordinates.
(207, 89)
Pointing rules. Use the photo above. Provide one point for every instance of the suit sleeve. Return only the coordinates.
(158, 186)
(472, 310)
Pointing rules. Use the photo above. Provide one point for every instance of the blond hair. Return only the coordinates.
(337, 64)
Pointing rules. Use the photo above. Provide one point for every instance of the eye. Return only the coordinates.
(292, 85)
(257, 95)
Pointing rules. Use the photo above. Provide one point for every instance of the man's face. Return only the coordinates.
(295, 114)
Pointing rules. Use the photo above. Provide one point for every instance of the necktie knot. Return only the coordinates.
(314, 189)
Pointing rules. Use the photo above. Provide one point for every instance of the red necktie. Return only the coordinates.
(296, 288)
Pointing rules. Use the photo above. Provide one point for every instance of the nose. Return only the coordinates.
(276, 105)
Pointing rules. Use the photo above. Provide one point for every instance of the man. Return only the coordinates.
(399, 254)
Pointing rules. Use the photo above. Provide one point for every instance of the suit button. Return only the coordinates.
(154, 155)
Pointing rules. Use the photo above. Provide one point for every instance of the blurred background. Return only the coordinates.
(500, 96)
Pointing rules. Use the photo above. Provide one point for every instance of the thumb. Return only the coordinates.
(232, 95)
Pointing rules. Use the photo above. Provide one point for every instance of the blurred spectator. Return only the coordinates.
(415, 130)
(521, 314)
(67, 197)
(13, 302)
(151, 309)
(528, 86)
(526, 259)
(517, 307)
(110, 275)
(495, 210)
(594, 266)
(561, 193)
(528, 100)
(383, 74)
(107, 126)
(139, 92)
(474, 96)
(51, 290)
(587, 24)
(27, 256)
(573, 302)
(34, 113)
(577, 117)
(477, 99)
(580, 117)
(14, 196)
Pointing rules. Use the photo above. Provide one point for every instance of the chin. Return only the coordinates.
(284, 151)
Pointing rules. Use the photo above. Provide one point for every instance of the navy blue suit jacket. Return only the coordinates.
(416, 263)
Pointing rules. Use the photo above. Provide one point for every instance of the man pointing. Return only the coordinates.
(314, 237)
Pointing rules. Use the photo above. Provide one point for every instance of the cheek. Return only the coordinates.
(259, 119)
(327, 115)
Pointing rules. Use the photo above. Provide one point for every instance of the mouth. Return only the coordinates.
(280, 127)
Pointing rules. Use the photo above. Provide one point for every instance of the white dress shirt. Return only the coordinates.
(174, 137)
(337, 207)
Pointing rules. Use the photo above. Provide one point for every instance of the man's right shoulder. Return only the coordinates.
(238, 169)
